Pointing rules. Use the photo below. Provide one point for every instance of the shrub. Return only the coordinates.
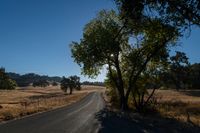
(5, 82)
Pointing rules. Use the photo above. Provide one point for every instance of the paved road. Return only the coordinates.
(77, 118)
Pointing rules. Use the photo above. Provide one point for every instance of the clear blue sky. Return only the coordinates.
(35, 35)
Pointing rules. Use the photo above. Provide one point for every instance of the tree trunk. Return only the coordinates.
(70, 91)
(120, 84)
(177, 84)
(123, 103)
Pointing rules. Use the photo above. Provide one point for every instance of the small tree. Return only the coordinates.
(75, 82)
(64, 84)
(41, 83)
(72, 82)
(5, 81)
(178, 69)
(54, 84)
(194, 76)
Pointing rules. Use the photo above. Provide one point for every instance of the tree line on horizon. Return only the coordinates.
(31, 79)
(179, 75)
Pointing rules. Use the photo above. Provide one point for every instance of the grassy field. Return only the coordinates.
(182, 105)
(29, 100)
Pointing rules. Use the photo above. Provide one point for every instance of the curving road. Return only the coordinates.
(76, 118)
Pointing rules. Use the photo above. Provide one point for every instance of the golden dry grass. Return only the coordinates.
(181, 105)
(29, 100)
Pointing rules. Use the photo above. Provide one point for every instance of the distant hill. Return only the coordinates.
(93, 83)
(27, 79)
(30, 78)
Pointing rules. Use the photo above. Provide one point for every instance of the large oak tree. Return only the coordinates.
(153, 26)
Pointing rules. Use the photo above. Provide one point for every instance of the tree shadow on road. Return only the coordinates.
(113, 122)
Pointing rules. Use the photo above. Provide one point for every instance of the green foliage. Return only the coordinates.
(93, 83)
(5, 82)
(111, 88)
(181, 13)
(126, 62)
(142, 96)
(153, 26)
(41, 83)
(65, 84)
(176, 74)
(181, 76)
(178, 69)
(98, 45)
(75, 82)
(193, 76)
(28, 79)
(72, 82)
(54, 84)
(180, 59)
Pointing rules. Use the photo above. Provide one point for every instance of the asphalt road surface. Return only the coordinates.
(76, 118)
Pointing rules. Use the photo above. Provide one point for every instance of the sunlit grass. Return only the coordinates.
(21, 102)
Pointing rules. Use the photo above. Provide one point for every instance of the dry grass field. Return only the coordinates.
(182, 105)
(29, 100)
